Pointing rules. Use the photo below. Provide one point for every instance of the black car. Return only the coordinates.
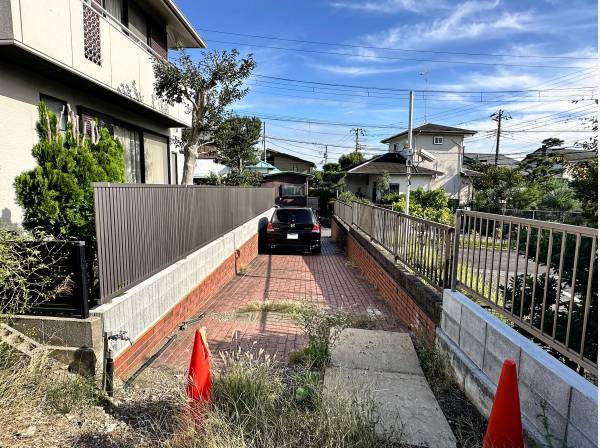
(294, 227)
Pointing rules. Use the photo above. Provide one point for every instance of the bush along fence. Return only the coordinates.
(47, 277)
(540, 277)
(141, 229)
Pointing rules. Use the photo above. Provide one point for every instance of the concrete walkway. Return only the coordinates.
(327, 281)
(385, 364)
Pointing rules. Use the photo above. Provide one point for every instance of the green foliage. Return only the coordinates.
(235, 140)
(383, 183)
(540, 166)
(31, 270)
(559, 196)
(353, 158)
(585, 185)
(431, 205)
(325, 184)
(207, 87)
(57, 194)
(244, 178)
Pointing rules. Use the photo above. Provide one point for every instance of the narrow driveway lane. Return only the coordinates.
(325, 280)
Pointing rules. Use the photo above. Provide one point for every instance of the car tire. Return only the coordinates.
(317, 250)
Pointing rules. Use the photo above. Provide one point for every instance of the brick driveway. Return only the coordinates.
(325, 280)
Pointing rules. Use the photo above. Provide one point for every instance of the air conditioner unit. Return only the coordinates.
(425, 155)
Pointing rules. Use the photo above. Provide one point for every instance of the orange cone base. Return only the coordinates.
(504, 425)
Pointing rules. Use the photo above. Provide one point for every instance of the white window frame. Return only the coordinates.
(438, 140)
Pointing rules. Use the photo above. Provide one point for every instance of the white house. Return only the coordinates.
(444, 149)
(206, 165)
(96, 56)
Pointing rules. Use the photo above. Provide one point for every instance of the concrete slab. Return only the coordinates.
(403, 405)
(377, 350)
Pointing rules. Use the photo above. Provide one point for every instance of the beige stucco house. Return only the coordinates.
(444, 150)
(96, 56)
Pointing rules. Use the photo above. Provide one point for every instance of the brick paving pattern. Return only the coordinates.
(325, 280)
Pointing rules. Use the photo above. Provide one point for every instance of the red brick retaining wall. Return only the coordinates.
(403, 304)
(186, 308)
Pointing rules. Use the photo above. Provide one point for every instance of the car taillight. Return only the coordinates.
(316, 228)
(269, 227)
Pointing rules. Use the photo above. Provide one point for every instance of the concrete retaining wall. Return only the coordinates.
(149, 311)
(478, 343)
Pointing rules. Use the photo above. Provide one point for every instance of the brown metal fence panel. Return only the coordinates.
(541, 276)
(142, 229)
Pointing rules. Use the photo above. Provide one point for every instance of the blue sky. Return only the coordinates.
(372, 40)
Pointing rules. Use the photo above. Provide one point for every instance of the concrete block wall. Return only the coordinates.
(149, 311)
(478, 343)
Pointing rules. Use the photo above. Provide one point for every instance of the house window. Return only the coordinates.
(58, 108)
(291, 190)
(91, 35)
(130, 139)
(115, 9)
(395, 147)
(438, 140)
(395, 188)
(138, 24)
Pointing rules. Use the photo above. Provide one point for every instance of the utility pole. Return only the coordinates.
(498, 117)
(357, 131)
(426, 74)
(409, 158)
(325, 155)
(264, 143)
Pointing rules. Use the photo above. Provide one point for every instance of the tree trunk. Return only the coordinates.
(189, 164)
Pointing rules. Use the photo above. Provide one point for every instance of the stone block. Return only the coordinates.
(498, 347)
(472, 346)
(450, 327)
(452, 306)
(531, 408)
(534, 371)
(576, 438)
(583, 414)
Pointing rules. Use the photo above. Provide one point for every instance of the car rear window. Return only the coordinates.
(296, 216)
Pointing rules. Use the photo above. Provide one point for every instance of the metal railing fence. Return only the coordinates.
(142, 228)
(539, 275)
(422, 245)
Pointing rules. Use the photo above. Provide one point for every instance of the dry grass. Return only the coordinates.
(465, 420)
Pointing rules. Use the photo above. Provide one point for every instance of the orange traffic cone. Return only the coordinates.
(504, 425)
(198, 380)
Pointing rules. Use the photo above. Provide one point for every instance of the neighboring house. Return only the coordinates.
(287, 162)
(205, 165)
(446, 145)
(362, 179)
(472, 158)
(262, 167)
(291, 188)
(95, 56)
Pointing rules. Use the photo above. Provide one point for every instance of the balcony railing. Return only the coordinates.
(541, 277)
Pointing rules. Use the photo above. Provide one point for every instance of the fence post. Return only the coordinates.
(80, 271)
(372, 209)
(454, 262)
(396, 235)
(448, 258)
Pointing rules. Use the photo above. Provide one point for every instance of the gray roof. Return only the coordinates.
(473, 157)
(392, 163)
(431, 128)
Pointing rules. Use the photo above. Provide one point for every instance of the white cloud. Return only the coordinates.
(468, 20)
(359, 70)
(390, 6)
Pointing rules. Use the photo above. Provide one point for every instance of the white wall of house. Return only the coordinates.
(365, 183)
(447, 161)
(54, 30)
(206, 166)
(20, 91)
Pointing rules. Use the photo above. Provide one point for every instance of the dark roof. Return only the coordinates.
(277, 173)
(570, 155)
(472, 157)
(430, 128)
(272, 152)
(391, 162)
(470, 173)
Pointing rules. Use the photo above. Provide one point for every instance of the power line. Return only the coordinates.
(393, 58)
(370, 47)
